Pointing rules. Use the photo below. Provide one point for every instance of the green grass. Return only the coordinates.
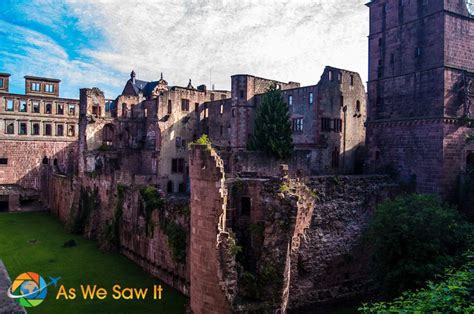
(33, 242)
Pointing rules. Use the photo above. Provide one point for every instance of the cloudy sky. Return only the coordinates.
(96, 43)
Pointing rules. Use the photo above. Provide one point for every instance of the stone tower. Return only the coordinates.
(421, 62)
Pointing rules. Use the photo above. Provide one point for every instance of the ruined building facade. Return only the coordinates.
(38, 134)
(421, 73)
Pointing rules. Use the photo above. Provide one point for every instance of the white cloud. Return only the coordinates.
(284, 40)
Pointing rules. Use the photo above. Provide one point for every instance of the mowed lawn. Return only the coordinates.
(34, 242)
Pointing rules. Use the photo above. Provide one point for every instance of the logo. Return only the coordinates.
(30, 289)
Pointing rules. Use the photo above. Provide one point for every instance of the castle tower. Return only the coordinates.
(421, 58)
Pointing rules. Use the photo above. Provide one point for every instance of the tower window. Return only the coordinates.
(352, 80)
(311, 98)
(170, 107)
(222, 109)
(241, 94)
(49, 88)
(185, 104)
(290, 100)
(330, 75)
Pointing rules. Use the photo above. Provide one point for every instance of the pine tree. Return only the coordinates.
(272, 131)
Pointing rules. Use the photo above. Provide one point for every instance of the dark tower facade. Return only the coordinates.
(421, 69)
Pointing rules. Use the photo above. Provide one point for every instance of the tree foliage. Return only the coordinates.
(452, 295)
(272, 132)
(415, 237)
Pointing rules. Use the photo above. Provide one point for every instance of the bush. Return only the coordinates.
(415, 237)
(449, 296)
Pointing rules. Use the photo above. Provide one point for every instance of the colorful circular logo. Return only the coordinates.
(29, 289)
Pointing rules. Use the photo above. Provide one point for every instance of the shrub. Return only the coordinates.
(449, 296)
(415, 237)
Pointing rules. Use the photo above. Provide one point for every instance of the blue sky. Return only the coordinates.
(96, 43)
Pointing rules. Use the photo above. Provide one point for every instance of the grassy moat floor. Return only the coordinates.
(34, 242)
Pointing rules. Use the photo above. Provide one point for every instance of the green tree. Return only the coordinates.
(272, 132)
(414, 237)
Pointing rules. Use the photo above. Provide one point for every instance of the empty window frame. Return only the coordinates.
(48, 109)
(311, 98)
(59, 130)
(49, 88)
(1, 83)
(35, 128)
(185, 104)
(36, 106)
(298, 125)
(72, 110)
(352, 80)
(9, 105)
(9, 127)
(71, 130)
(35, 87)
(290, 100)
(48, 130)
(3, 161)
(170, 107)
(60, 109)
(23, 106)
(22, 128)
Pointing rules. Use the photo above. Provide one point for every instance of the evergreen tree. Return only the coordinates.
(272, 131)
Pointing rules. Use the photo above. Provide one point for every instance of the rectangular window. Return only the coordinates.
(35, 130)
(23, 106)
(71, 130)
(10, 106)
(107, 106)
(241, 94)
(36, 107)
(337, 125)
(60, 109)
(178, 142)
(48, 130)
(339, 77)
(325, 124)
(49, 88)
(72, 110)
(335, 158)
(22, 128)
(298, 125)
(185, 104)
(1, 82)
(290, 100)
(170, 106)
(48, 108)
(418, 52)
(35, 87)
(3, 161)
(311, 98)
(352, 80)
(60, 130)
(222, 109)
(9, 127)
(177, 165)
(330, 75)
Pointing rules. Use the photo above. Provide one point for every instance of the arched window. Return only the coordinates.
(45, 161)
